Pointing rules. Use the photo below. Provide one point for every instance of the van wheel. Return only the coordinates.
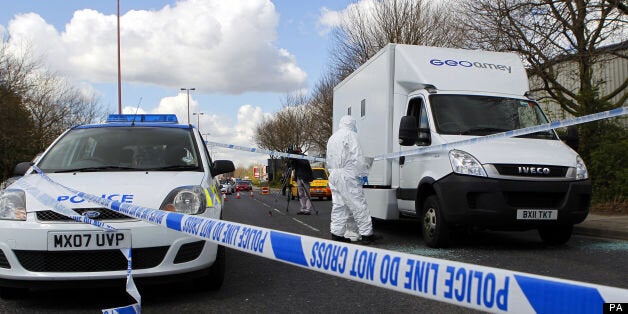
(216, 275)
(434, 227)
(556, 235)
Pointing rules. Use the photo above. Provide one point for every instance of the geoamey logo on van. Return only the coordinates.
(469, 64)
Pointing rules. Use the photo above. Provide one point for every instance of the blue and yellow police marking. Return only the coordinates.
(215, 194)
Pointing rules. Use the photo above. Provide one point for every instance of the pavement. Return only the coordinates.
(604, 226)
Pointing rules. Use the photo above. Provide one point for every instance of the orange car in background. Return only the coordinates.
(319, 187)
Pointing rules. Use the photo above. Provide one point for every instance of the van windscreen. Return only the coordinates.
(484, 115)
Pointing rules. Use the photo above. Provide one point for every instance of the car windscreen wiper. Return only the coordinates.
(484, 130)
(96, 169)
(171, 168)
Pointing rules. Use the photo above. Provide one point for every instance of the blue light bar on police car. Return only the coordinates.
(151, 118)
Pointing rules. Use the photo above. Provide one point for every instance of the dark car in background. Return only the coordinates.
(244, 185)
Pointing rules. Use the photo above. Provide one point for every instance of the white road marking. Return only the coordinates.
(301, 222)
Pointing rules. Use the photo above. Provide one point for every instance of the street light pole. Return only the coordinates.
(198, 118)
(119, 75)
(188, 92)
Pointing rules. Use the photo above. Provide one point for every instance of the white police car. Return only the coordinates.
(143, 160)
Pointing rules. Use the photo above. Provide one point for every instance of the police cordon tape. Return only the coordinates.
(512, 133)
(422, 150)
(272, 153)
(467, 285)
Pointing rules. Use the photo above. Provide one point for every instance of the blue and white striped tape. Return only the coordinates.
(533, 129)
(467, 285)
(422, 150)
(272, 153)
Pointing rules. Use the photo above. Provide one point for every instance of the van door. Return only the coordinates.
(411, 169)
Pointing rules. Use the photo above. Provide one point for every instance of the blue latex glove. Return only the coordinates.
(365, 180)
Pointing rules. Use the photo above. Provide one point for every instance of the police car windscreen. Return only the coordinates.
(123, 148)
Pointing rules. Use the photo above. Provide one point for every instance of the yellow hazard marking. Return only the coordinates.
(210, 203)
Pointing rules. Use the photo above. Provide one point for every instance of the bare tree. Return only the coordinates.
(16, 143)
(365, 30)
(548, 33)
(56, 105)
(53, 102)
(561, 41)
(16, 127)
(289, 127)
(16, 69)
(321, 109)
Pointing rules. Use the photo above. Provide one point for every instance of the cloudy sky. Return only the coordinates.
(242, 57)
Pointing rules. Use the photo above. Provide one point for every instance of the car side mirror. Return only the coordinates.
(222, 166)
(408, 132)
(21, 168)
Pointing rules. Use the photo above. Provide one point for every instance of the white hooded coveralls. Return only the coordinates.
(347, 166)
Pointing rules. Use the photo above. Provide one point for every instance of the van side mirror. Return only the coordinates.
(408, 131)
(572, 138)
(222, 166)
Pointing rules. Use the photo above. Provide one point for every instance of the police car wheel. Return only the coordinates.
(13, 293)
(216, 276)
(434, 227)
(556, 235)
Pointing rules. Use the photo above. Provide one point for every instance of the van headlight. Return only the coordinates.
(464, 163)
(189, 200)
(12, 204)
(581, 169)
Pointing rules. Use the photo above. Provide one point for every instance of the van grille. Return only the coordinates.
(89, 261)
(531, 170)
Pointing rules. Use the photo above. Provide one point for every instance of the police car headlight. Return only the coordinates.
(12, 205)
(464, 163)
(581, 169)
(185, 200)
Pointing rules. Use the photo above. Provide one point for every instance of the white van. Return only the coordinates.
(144, 160)
(406, 97)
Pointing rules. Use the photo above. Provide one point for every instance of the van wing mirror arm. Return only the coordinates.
(408, 131)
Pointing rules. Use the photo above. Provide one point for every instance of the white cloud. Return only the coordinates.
(218, 46)
(330, 19)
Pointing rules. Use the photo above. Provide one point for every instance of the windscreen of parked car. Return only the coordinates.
(123, 148)
(319, 174)
(484, 115)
